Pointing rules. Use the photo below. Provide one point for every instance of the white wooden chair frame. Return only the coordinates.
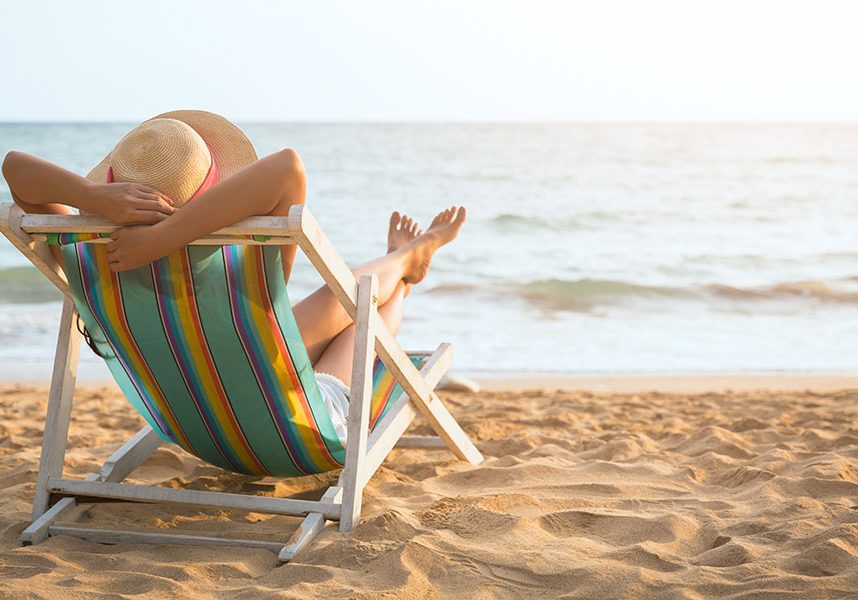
(57, 498)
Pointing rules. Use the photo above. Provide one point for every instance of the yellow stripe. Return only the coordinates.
(380, 391)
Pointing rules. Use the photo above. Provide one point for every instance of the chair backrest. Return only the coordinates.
(205, 346)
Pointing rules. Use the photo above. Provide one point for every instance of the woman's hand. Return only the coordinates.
(41, 186)
(129, 203)
(135, 246)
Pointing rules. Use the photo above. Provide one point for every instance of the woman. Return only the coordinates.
(185, 174)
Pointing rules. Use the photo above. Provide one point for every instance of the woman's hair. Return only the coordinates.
(88, 338)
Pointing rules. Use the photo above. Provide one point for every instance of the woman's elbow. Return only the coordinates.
(292, 174)
(290, 162)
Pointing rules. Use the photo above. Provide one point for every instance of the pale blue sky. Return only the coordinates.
(442, 60)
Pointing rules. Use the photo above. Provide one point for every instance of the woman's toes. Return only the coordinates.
(403, 229)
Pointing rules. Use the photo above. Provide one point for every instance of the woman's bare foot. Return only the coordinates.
(402, 230)
(443, 230)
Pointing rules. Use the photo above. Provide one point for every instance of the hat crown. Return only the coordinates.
(166, 154)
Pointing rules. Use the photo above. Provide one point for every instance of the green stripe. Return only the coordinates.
(144, 320)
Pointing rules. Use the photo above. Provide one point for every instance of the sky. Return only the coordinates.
(483, 60)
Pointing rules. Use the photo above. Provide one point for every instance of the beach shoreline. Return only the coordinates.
(690, 383)
(621, 382)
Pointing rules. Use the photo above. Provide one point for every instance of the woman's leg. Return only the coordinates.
(320, 315)
(338, 357)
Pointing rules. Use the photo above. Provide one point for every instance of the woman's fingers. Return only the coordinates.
(144, 216)
(112, 254)
(160, 198)
(149, 216)
(156, 204)
(145, 189)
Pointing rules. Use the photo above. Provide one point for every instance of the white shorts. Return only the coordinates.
(335, 394)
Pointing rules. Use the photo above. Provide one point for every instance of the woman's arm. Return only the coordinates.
(39, 186)
(270, 186)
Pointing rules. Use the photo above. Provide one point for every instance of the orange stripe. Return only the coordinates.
(273, 329)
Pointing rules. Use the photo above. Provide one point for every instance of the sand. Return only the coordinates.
(750, 494)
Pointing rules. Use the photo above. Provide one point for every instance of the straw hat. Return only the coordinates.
(174, 152)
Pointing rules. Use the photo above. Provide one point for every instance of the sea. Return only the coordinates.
(589, 248)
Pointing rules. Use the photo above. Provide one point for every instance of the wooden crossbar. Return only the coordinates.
(274, 226)
(151, 493)
(204, 241)
(421, 441)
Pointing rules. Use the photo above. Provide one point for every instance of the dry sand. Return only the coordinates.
(661, 495)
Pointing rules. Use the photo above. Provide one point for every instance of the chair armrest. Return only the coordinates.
(261, 226)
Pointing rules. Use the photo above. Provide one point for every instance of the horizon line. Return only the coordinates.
(743, 121)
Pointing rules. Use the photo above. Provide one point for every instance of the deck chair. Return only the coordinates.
(204, 345)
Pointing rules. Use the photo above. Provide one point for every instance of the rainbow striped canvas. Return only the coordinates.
(205, 346)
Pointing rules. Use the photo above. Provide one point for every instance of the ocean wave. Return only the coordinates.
(513, 222)
(816, 290)
(507, 221)
(25, 285)
(583, 295)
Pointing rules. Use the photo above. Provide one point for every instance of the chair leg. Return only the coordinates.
(130, 455)
(66, 509)
(59, 407)
(310, 527)
(359, 403)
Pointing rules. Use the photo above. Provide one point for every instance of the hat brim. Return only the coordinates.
(230, 148)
